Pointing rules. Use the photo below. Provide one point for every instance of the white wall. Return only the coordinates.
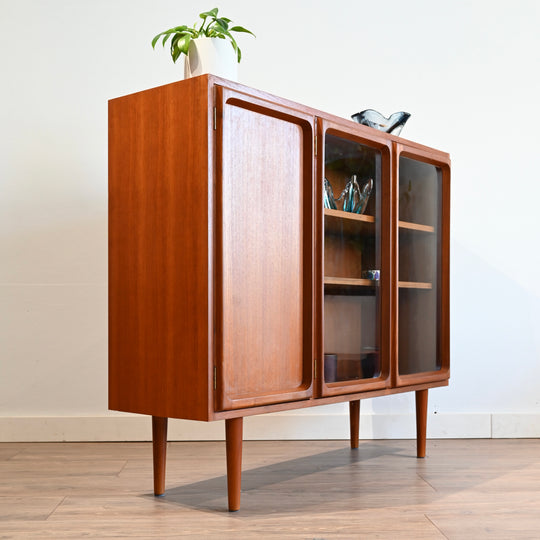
(468, 71)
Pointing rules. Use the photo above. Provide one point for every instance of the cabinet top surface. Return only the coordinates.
(213, 80)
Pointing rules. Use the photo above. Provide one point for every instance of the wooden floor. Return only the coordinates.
(465, 489)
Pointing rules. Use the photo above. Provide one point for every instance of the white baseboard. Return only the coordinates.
(287, 426)
(512, 426)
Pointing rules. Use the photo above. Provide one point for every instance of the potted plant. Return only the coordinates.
(205, 47)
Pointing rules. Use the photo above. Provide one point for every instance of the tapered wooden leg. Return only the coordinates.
(354, 418)
(233, 436)
(421, 422)
(159, 444)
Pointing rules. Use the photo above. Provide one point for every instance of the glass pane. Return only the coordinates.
(352, 260)
(419, 268)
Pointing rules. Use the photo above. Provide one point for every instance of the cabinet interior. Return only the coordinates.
(419, 204)
(351, 247)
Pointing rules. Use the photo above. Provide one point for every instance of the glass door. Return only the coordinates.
(354, 171)
(423, 203)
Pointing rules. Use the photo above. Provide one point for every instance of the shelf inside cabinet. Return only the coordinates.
(349, 215)
(358, 282)
(337, 222)
(416, 226)
(414, 285)
(342, 286)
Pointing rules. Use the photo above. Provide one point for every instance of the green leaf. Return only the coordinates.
(233, 41)
(175, 29)
(183, 43)
(221, 29)
(180, 36)
(223, 23)
(167, 33)
(155, 40)
(236, 48)
(211, 13)
(241, 29)
(175, 54)
(180, 45)
(174, 41)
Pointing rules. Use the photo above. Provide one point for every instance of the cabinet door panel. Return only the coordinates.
(264, 253)
(423, 184)
(353, 179)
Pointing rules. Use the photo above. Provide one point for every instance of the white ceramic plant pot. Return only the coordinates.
(211, 55)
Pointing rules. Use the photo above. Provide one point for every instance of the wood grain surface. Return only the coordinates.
(216, 279)
(291, 489)
(158, 251)
(265, 176)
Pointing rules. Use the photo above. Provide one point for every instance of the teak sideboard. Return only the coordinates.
(235, 289)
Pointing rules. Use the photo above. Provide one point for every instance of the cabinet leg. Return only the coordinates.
(233, 436)
(354, 418)
(421, 422)
(159, 446)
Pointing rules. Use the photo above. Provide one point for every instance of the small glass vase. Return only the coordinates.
(329, 201)
(393, 124)
(354, 198)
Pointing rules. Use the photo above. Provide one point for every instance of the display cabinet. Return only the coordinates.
(267, 256)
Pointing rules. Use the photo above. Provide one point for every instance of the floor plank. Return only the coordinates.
(290, 489)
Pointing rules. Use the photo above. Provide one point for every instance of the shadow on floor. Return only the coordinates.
(329, 480)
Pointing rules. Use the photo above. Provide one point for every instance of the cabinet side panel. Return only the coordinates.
(158, 246)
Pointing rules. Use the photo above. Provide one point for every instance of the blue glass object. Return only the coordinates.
(354, 198)
(329, 201)
(393, 124)
(374, 275)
